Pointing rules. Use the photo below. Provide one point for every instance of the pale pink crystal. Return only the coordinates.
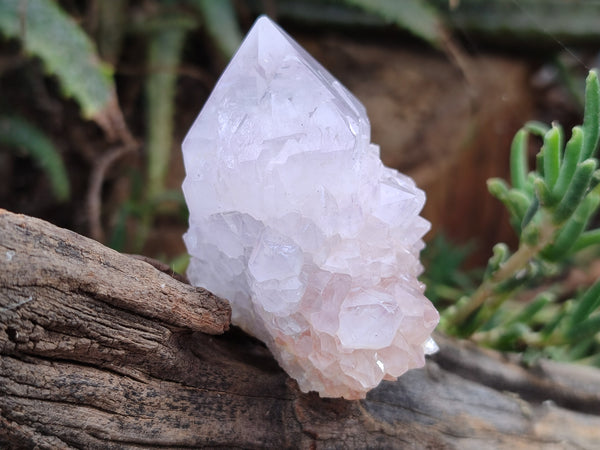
(295, 220)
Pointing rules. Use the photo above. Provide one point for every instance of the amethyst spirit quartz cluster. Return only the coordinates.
(295, 220)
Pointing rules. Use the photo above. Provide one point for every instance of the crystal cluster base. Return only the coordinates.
(295, 220)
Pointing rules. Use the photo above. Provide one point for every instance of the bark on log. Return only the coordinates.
(101, 350)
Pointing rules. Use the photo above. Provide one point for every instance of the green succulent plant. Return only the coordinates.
(551, 208)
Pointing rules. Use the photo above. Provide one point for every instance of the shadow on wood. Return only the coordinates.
(102, 350)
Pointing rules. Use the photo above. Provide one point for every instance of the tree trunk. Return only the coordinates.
(102, 350)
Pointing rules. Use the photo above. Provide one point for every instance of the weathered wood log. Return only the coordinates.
(101, 350)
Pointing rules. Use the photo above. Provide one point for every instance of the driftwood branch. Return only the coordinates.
(102, 350)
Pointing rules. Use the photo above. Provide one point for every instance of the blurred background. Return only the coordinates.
(96, 97)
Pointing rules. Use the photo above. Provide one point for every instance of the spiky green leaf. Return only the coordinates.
(569, 163)
(552, 153)
(416, 16)
(518, 160)
(220, 21)
(591, 116)
(65, 49)
(17, 133)
(576, 190)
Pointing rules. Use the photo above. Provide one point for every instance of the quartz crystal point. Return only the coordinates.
(295, 220)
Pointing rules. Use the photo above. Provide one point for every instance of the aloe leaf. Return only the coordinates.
(576, 190)
(595, 179)
(500, 254)
(580, 348)
(551, 151)
(64, 48)
(531, 212)
(519, 204)
(221, 24)
(511, 335)
(518, 160)
(585, 329)
(516, 201)
(539, 164)
(571, 231)
(547, 332)
(591, 116)
(18, 134)
(587, 239)
(166, 43)
(532, 308)
(537, 128)
(416, 16)
(543, 192)
(586, 305)
(498, 188)
(569, 162)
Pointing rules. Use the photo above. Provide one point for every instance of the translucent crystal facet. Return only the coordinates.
(295, 220)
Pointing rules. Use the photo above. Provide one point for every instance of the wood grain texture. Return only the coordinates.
(100, 350)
